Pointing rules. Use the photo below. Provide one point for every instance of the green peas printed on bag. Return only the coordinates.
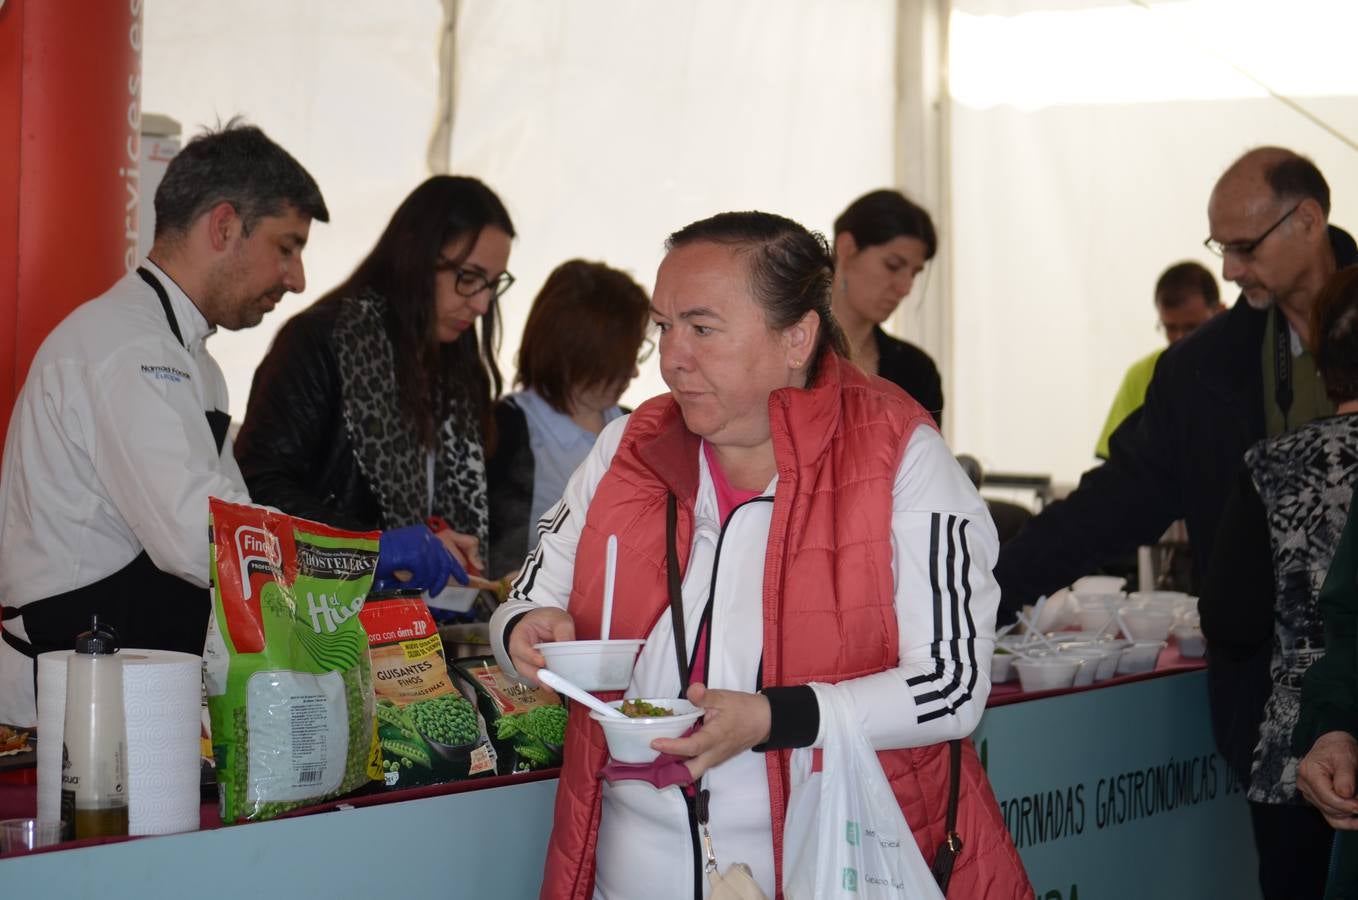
(289, 683)
(429, 732)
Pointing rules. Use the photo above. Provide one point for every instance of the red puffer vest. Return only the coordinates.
(828, 604)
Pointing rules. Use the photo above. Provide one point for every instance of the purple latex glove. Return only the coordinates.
(415, 549)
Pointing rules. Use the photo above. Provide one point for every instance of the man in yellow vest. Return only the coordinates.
(1186, 296)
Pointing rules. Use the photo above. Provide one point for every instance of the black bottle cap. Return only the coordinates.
(101, 639)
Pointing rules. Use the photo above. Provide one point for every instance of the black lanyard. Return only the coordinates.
(217, 420)
(1282, 363)
(159, 288)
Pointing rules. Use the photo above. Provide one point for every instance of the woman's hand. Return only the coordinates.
(465, 548)
(733, 722)
(541, 626)
(1326, 778)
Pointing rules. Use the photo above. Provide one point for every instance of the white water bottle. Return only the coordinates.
(94, 755)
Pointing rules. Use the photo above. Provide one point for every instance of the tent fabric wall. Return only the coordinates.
(604, 125)
(1067, 149)
(348, 87)
(608, 125)
(1086, 140)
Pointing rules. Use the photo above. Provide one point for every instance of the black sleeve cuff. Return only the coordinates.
(794, 718)
(509, 629)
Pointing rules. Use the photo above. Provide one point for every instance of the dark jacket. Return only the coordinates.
(293, 449)
(1329, 700)
(509, 489)
(912, 369)
(1174, 458)
(1329, 694)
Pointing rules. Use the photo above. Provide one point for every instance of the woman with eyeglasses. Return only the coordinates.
(372, 407)
(882, 242)
(582, 344)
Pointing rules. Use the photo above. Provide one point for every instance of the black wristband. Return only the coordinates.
(794, 718)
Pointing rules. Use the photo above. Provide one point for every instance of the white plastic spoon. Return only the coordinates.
(1122, 624)
(1039, 635)
(610, 572)
(1098, 635)
(575, 692)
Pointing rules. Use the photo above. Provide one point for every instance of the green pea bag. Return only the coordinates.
(526, 724)
(428, 731)
(286, 665)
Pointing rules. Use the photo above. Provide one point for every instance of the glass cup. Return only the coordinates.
(22, 835)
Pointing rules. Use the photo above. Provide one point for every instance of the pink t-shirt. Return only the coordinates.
(728, 497)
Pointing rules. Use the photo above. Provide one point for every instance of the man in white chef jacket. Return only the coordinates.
(119, 436)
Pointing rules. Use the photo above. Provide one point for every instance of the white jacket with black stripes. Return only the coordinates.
(942, 538)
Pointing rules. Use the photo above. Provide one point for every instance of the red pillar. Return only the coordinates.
(70, 124)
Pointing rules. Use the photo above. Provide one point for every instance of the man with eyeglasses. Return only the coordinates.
(1186, 296)
(1245, 375)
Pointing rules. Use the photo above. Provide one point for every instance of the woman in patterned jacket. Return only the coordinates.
(1278, 537)
(370, 409)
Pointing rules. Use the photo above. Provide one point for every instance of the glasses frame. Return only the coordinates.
(1245, 249)
(469, 283)
(647, 350)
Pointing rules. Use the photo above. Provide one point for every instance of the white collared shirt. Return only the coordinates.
(109, 453)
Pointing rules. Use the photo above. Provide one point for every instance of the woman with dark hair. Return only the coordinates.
(371, 408)
(581, 346)
(780, 519)
(1278, 537)
(882, 242)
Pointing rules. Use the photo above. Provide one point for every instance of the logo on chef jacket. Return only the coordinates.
(165, 373)
(259, 554)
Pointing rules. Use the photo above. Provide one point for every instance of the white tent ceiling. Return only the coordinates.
(1066, 147)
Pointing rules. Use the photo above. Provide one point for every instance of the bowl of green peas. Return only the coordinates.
(448, 725)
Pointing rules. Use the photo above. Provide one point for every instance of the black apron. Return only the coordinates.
(148, 608)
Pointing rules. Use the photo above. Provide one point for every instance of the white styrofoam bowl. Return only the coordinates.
(1140, 657)
(1148, 623)
(593, 665)
(1161, 598)
(1045, 673)
(1192, 645)
(1101, 661)
(629, 740)
(1099, 584)
(1001, 666)
(1096, 610)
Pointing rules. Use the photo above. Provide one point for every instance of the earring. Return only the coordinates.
(844, 283)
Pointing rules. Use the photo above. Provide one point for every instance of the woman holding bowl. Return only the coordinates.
(822, 532)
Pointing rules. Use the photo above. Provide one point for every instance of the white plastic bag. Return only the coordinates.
(844, 835)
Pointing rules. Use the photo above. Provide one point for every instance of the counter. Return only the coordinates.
(1110, 792)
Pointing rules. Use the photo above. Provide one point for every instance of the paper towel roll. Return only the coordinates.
(161, 701)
